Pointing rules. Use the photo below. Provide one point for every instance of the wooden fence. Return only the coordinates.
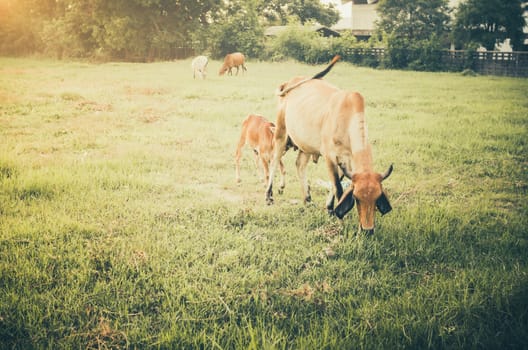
(513, 64)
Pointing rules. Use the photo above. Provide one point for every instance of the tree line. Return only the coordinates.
(143, 29)
(139, 30)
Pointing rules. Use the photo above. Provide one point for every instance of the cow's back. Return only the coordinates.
(236, 59)
(266, 140)
(306, 114)
(250, 128)
(199, 62)
(254, 127)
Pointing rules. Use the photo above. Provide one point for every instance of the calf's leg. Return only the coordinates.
(265, 168)
(238, 154)
(262, 169)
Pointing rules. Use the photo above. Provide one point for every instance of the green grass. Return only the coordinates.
(121, 225)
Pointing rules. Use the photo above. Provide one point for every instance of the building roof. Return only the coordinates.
(325, 31)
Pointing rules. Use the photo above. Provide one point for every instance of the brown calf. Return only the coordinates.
(231, 60)
(257, 133)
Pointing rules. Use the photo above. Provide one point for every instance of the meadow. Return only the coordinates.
(122, 226)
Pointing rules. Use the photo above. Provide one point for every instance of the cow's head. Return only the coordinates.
(223, 69)
(367, 191)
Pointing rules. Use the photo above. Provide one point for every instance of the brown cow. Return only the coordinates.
(323, 120)
(231, 60)
(257, 133)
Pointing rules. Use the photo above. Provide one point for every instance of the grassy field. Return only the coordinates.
(121, 225)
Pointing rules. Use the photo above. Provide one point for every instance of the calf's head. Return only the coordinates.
(367, 191)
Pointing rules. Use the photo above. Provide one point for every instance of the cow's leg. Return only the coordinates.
(333, 172)
(256, 158)
(281, 139)
(237, 70)
(265, 167)
(301, 163)
(261, 168)
(283, 176)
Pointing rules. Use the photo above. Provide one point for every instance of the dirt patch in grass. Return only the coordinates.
(94, 106)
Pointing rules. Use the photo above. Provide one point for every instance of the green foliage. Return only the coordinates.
(297, 42)
(145, 29)
(122, 226)
(71, 35)
(18, 31)
(313, 10)
(415, 55)
(280, 12)
(240, 30)
(358, 52)
(129, 30)
(413, 20)
(414, 32)
(305, 45)
(488, 22)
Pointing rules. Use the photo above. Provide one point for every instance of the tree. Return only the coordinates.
(279, 11)
(414, 31)
(239, 30)
(413, 20)
(146, 29)
(307, 10)
(274, 12)
(122, 29)
(150, 28)
(488, 22)
(20, 24)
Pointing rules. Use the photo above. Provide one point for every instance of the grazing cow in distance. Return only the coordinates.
(257, 133)
(323, 120)
(231, 60)
(199, 67)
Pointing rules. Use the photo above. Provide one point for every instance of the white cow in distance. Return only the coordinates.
(199, 67)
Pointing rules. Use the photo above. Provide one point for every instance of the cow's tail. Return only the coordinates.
(327, 69)
(317, 76)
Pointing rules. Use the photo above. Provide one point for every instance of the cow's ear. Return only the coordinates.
(383, 204)
(272, 129)
(346, 203)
